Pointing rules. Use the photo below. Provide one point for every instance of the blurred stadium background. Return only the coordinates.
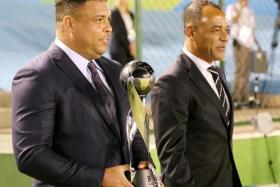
(27, 28)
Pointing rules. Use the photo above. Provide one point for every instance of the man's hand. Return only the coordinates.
(143, 165)
(115, 176)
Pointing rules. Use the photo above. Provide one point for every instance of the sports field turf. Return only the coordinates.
(252, 158)
(250, 155)
(9, 176)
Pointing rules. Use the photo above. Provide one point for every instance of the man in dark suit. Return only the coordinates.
(192, 108)
(69, 109)
(122, 45)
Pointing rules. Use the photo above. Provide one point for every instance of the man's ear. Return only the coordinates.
(68, 23)
(189, 31)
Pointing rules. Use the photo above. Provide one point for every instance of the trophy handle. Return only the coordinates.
(131, 130)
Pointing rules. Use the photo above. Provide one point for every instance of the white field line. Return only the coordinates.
(6, 139)
(254, 134)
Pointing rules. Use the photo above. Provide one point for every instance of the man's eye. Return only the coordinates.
(99, 20)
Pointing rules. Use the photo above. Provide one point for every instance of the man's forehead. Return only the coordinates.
(217, 18)
(96, 8)
(210, 11)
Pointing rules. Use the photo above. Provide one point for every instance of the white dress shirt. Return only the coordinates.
(82, 63)
(203, 68)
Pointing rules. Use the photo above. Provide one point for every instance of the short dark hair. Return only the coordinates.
(68, 7)
(193, 11)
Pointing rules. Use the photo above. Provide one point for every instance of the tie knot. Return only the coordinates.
(93, 68)
(91, 65)
(214, 71)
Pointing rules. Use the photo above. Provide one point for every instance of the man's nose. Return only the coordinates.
(108, 27)
(224, 36)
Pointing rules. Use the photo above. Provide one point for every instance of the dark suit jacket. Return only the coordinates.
(119, 44)
(62, 134)
(193, 141)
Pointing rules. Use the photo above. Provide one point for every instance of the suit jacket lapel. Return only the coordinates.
(111, 78)
(69, 68)
(121, 103)
(202, 84)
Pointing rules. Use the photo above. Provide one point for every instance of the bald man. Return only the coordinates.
(192, 108)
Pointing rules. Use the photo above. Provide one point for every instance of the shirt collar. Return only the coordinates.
(201, 64)
(80, 61)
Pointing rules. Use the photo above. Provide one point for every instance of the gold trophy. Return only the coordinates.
(137, 77)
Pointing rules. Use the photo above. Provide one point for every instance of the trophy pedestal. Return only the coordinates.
(145, 178)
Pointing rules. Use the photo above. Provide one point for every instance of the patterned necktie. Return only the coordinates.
(105, 95)
(221, 91)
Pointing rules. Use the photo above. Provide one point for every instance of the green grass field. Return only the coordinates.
(250, 155)
(9, 176)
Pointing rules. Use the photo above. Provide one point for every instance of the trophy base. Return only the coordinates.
(145, 178)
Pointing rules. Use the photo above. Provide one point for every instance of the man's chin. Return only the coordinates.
(220, 58)
(102, 52)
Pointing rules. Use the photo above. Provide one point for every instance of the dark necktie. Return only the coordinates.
(104, 94)
(221, 91)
